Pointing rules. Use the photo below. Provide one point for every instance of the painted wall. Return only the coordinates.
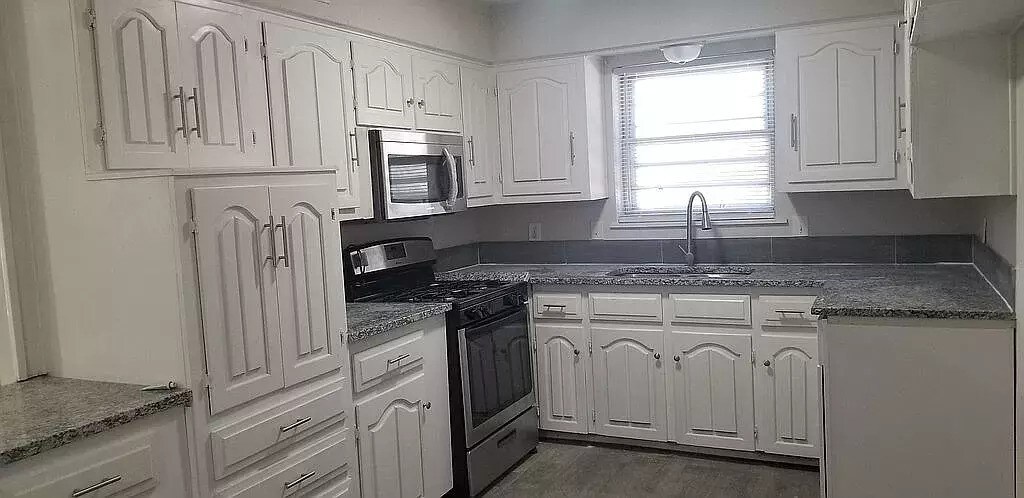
(459, 26)
(535, 28)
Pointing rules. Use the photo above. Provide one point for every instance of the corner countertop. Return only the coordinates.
(46, 412)
(370, 319)
(950, 291)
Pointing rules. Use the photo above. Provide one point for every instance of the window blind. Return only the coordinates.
(707, 125)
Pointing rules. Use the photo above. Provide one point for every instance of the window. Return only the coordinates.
(707, 125)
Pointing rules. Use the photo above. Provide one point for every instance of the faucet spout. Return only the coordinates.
(704, 225)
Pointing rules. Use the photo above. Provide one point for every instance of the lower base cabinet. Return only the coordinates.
(629, 382)
(787, 387)
(562, 382)
(391, 440)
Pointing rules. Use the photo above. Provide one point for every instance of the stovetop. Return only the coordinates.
(452, 292)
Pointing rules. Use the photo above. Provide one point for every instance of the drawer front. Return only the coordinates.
(292, 418)
(302, 471)
(127, 464)
(713, 309)
(787, 311)
(631, 307)
(556, 305)
(378, 363)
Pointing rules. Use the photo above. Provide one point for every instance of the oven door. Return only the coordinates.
(420, 179)
(497, 374)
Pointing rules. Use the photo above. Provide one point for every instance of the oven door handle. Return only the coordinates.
(502, 319)
(453, 176)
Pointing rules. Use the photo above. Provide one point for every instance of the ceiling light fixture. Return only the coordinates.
(681, 54)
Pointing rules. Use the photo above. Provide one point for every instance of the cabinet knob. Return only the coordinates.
(426, 405)
(657, 356)
(676, 358)
(421, 103)
(767, 363)
(410, 102)
(576, 352)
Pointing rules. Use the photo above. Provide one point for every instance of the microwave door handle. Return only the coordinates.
(453, 177)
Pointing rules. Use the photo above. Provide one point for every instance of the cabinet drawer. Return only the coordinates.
(557, 305)
(632, 307)
(372, 366)
(787, 311)
(292, 418)
(708, 308)
(304, 469)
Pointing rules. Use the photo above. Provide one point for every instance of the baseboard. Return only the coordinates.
(756, 456)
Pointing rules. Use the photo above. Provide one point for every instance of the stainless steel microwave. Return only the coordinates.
(414, 174)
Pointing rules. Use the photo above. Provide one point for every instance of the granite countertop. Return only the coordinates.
(369, 319)
(956, 291)
(47, 412)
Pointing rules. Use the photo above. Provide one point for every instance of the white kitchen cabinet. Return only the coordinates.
(182, 86)
(629, 382)
(309, 73)
(383, 85)
(562, 376)
(147, 457)
(551, 129)
(836, 107)
(438, 93)
(480, 130)
(712, 389)
(270, 287)
(787, 394)
(391, 440)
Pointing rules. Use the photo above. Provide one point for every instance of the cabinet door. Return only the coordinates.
(309, 76)
(309, 279)
(629, 382)
(562, 377)
(391, 437)
(383, 86)
(137, 55)
(712, 389)
(836, 104)
(224, 79)
(480, 119)
(238, 291)
(438, 95)
(538, 111)
(786, 383)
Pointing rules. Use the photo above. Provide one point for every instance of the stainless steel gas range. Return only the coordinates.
(490, 374)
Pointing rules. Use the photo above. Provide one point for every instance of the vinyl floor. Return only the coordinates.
(571, 470)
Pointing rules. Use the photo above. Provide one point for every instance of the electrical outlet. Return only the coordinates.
(535, 231)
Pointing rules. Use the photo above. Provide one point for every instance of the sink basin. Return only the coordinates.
(696, 271)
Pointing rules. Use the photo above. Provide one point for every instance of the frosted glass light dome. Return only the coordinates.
(681, 54)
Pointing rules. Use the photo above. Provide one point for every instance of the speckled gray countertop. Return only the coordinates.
(47, 412)
(956, 291)
(369, 319)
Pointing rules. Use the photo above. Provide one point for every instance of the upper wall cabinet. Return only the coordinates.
(383, 85)
(181, 86)
(438, 94)
(480, 130)
(551, 131)
(836, 108)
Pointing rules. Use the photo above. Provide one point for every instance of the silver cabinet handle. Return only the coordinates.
(195, 106)
(572, 148)
(272, 257)
(794, 128)
(453, 178)
(552, 307)
(284, 240)
(298, 423)
(472, 152)
(576, 352)
(767, 363)
(355, 150)
(303, 478)
(89, 489)
(657, 356)
(180, 97)
(676, 358)
(427, 405)
(397, 359)
(789, 312)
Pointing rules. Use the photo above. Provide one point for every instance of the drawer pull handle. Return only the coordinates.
(303, 478)
(102, 484)
(552, 307)
(297, 423)
(397, 359)
(789, 312)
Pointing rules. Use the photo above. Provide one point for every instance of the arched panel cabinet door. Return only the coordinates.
(480, 125)
(562, 377)
(786, 385)
(225, 88)
(309, 280)
(391, 437)
(309, 77)
(712, 389)
(137, 58)
(383, 85)
(629, 382)
(238, 289)
(438, 95)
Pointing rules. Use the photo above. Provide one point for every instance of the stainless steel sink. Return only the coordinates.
(696, 271)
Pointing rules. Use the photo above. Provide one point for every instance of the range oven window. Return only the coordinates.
(415, 179)
(498, 366)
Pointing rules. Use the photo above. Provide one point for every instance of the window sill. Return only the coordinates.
(651, 225)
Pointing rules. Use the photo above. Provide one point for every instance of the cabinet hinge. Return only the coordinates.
(896, 156)
(590, 347)
(190, 227)
(895, 47)
(334, 214)
(753, 357)
(593, 415)
(90, 19)
(755, 432)
(245, 45)
(253, 137)
(495, 91)
(263, 50)
(204, 382)
(101, 135)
